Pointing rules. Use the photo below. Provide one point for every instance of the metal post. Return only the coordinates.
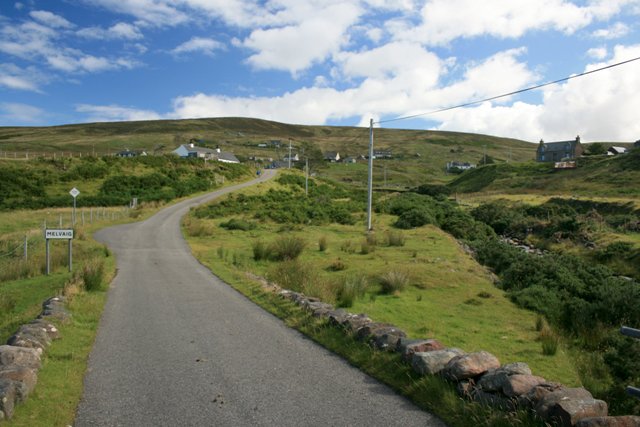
(60, 220)
(70, 254)
(289, 153)
(47, 251)
(73, 216)
(370, 186)
(306, 180)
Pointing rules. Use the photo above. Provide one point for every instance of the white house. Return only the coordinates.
(613, 151)
(191, 150)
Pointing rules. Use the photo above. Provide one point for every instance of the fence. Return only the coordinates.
(23, 256)
(633, 333)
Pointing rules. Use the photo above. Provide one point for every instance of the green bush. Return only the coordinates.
(415, 217)
(260, 251)
(238, 224)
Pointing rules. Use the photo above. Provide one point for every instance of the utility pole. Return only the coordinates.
(370, 186)
(289, 153)
(306, 180)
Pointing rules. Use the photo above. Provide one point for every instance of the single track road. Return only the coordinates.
(177, 346)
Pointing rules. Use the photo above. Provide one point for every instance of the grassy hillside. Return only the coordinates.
(418, 155)
(594, 176)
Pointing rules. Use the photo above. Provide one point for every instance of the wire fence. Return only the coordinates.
(22, 255)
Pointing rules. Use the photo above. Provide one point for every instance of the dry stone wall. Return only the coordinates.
(20, 358)
(477, 376)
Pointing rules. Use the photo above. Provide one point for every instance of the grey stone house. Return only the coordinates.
(559, 150)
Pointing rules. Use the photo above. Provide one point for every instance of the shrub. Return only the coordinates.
(198, 228)
(415, 217)
(286, 248)
(260, 251)
(351, 288)
(337, 265)
(93, 274)
(366, 248)
(395, 238)
(322, 244)
(238, 224)
(347, 246)
(393, 281)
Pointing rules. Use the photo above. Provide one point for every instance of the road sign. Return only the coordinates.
(58, 233)
(74, 192)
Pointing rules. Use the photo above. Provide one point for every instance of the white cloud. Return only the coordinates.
(16, 78)
(115, 113)
(443, 21)
(597, 53)
(155, 13)
(296, 47)
(50, 19)
(206, 46)
(121, 30)
(616, 31)
(18, 113)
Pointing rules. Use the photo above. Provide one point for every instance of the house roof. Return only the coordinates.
(558, 145)
(330, 154)
(226, 156)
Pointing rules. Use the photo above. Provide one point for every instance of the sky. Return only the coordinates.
(327, 62)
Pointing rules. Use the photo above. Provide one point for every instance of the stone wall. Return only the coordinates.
(20, 358)
(477, 376)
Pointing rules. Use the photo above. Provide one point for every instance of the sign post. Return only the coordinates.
(58, 234)
(74, 193)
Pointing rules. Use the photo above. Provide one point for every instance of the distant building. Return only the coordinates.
(294, 158)
(332, 156)
(349, 160)
(614, 151)
(130, 153)
(559, 151)
(463, 166)
(192, 150)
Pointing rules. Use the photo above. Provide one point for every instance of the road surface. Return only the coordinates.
(176, 346)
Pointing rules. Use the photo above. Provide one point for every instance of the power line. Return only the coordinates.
(508, 94)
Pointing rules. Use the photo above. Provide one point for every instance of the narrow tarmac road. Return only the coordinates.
(178, 347)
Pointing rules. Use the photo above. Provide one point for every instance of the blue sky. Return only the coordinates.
(326, 62)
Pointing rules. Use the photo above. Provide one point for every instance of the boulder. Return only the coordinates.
(7, 398)
(353, 322)
(49, 327)
(495, 379)
(369, 329)
(407, 347)
(316, 305)
(433, 362)
(20, 356)
(535, 395)
(27, 378)
(387, 338)
(470, 365)
(623, 421)
(568, 405)
(337, 317)
(519, 384)
(21, 339)
(37, 331)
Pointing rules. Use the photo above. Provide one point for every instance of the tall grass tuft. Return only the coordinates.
(93, 274)
(323, 244)
(260, 251)
(286, 248)
(393, 281)
(395, 238)
(351, 288)
(550, 341)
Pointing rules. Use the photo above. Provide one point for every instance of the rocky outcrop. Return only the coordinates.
(20, 359)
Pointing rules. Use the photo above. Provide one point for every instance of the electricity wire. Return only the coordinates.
(467, 104)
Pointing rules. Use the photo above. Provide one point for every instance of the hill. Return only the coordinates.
(417, 155)
(594, 176)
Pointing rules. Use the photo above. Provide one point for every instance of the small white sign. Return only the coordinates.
(74, 192)
(58, 233)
